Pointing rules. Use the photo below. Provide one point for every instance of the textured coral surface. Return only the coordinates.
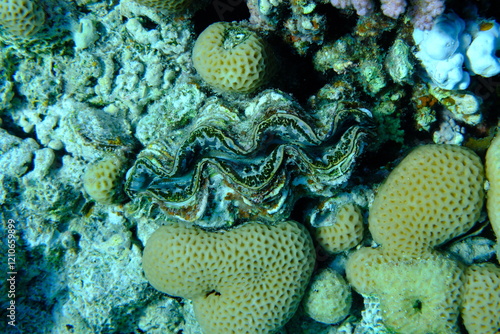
(272, 264)
(21, 18)
(233, 58)
(433, 195)
(117, 119)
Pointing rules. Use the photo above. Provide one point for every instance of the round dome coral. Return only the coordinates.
(434, 194)
(232, 58)
(21, 19)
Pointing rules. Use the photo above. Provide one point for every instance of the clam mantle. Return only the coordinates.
(217, 174)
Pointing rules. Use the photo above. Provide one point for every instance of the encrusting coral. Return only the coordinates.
(85, 79)
(249, 279)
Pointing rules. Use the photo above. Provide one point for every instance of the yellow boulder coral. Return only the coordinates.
(21, 18)
(102, 179)
(481, 299)
(434, 194)
(167, 5)
(346, 232)
(493, 175)
(232, 58)
(246, 280)
(417, 295)
(328, 299)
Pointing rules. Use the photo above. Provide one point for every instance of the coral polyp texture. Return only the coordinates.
(102, 179)
(417, 295)
(21, 18)
(120, 116)
(328, 298)
(434, 194)
(344, 233)
(169, 6)
(232, 58)
(493, 175)
(252, 174)
(246, 280)
(481, 299)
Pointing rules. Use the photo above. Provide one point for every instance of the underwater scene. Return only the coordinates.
(250, 167)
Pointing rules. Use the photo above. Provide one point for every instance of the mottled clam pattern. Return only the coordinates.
(215, 175)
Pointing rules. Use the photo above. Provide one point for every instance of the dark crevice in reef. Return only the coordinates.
(470, 8)
(299, 208)
(372, 161)
(30, 166)
(338, 24)
(135, 238)
(296, 74)
(220, 10)
(147, 23)
(13, 129)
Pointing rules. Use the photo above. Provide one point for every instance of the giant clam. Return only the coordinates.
(225, 175)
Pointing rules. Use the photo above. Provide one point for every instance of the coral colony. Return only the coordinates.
(260, 166)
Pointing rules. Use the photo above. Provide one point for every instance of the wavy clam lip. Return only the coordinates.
(283, 159)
